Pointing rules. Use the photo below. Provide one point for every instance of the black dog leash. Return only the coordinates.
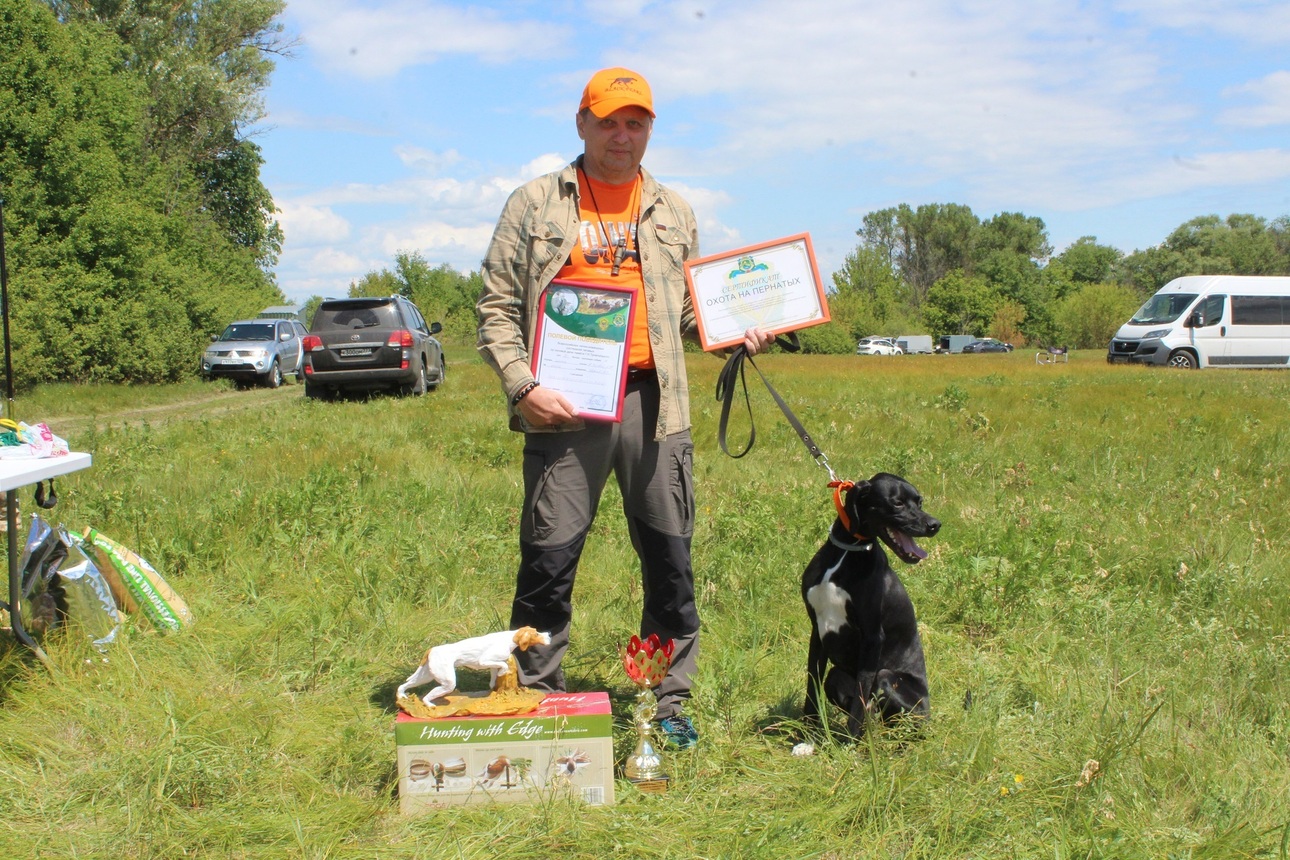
(733, 369)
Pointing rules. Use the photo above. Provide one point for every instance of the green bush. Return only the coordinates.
(1089, 318)
(827, 339)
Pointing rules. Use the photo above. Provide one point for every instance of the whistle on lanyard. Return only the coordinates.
(620, 254)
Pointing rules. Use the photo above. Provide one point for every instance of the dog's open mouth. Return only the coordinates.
(903, 545)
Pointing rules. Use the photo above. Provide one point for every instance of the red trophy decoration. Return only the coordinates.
(646, 664)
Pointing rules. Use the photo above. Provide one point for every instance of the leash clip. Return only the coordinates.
(822, 460)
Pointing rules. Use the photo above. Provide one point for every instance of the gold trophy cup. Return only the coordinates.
(646, 663)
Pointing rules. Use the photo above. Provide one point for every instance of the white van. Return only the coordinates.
(1210, 321)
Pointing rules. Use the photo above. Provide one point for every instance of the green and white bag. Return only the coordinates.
(136, 585)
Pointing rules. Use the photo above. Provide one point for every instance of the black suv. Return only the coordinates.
(368, 343)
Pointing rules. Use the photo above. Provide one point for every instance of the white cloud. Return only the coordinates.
(306, 225)
(1273, 108)
(324, 271)
(332, 262)
(378, 38)
(288, 118)
(426, 160)
(1254, 21)
(925, 82)
(540, 166)
(447, 220)
(439, 241)
(1170, 176)
(1216, 169)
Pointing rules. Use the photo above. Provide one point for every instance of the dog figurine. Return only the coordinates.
(480, 652)
(862, 620)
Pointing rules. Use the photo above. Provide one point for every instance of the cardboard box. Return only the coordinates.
(566, 745)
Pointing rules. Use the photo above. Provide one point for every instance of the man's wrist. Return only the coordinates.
(525, 391)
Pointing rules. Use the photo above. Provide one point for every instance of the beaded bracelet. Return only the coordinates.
(523, 392)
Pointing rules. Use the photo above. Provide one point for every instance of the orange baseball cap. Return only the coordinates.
(612, 89)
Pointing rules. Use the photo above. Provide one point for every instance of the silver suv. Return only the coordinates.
(259, 351)
(362, 344)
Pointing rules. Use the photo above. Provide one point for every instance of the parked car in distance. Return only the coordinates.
(364, 344)
(256, 351)
(988, 344)
(877, 346)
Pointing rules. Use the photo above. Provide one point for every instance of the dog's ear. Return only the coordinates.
(527, 637)
(854, 502)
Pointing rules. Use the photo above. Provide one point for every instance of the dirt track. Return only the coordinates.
(219, 402)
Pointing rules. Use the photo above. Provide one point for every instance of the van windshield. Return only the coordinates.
(1163, 308)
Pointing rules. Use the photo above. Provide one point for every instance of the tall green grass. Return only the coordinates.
(1110, 585)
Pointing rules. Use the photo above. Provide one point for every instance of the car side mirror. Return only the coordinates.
(285, 336)
(1196, 320)
(435, 327)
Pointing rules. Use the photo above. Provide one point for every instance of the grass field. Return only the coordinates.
(1110, 586)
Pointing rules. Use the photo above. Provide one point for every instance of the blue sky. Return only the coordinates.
(402, 125)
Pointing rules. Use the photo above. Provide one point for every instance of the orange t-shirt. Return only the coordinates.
(613, 210)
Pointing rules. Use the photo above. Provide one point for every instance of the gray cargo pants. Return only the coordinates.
(564, 475)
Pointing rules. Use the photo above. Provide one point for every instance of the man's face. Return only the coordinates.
(614, 146)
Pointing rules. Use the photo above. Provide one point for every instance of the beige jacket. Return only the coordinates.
(536, 233)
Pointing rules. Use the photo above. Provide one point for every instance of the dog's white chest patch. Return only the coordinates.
(829, 603)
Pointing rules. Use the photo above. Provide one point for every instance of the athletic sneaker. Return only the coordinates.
(680, 732)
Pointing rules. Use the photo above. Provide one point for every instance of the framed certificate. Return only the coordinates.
(581, 348)
(774, 285)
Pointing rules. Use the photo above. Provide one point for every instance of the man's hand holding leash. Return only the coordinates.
(757, 340)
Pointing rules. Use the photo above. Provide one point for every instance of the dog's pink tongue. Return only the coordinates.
(907, 544)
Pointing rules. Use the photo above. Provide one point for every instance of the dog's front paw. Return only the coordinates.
(803, 749)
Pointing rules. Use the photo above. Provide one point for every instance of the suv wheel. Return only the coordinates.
(419, 387)
(273, 378)
(442, 373)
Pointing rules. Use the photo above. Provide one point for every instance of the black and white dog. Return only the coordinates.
(862, 620)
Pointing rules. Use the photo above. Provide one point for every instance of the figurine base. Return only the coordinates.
(495, 704)
(653, 785)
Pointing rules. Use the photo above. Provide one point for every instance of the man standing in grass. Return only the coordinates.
(602, 220)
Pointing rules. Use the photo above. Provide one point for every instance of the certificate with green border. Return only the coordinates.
(774, 285)
(582, 342)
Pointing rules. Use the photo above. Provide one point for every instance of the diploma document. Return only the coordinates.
(581, 348)
(774, 285)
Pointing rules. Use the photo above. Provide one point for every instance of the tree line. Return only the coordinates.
(135, 220)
